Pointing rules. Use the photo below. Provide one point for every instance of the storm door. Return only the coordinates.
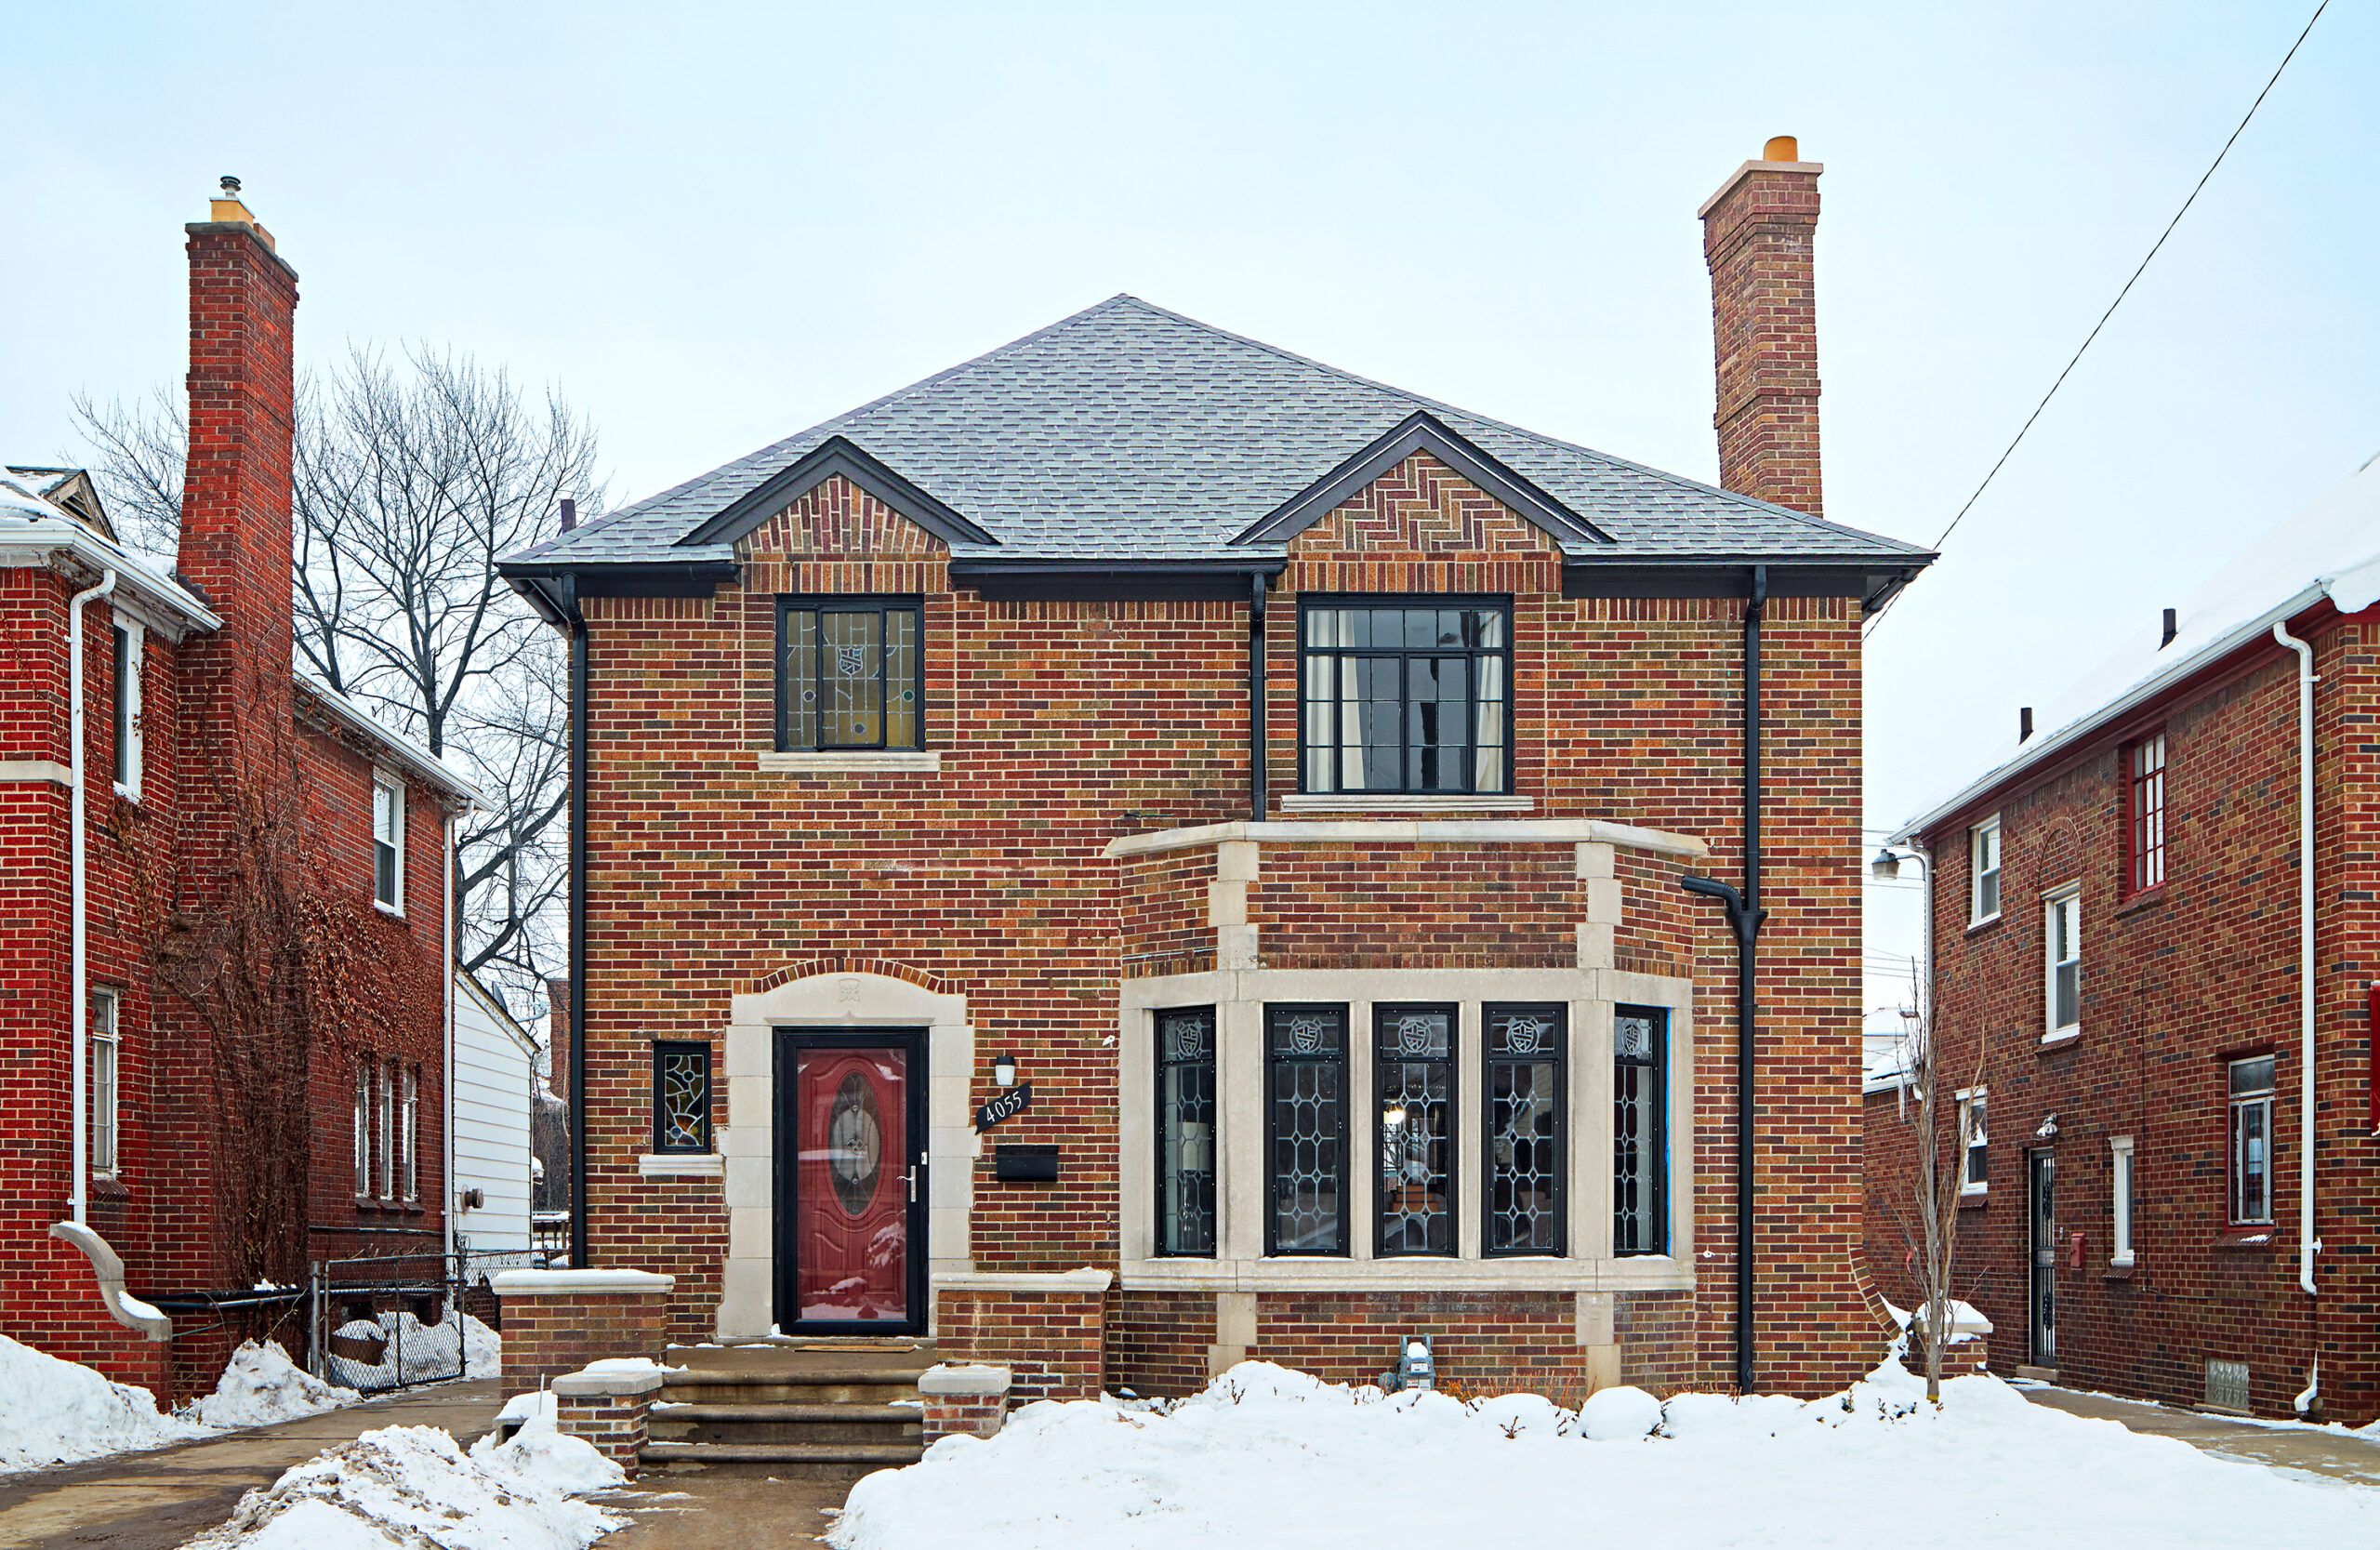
(851, 1182)
(2041, 1169)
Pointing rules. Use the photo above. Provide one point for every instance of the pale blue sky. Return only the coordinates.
(710, 225)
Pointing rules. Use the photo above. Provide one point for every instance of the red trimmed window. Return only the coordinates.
(2144, 764)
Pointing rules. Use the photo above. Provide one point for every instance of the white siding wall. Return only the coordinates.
(493, 1073)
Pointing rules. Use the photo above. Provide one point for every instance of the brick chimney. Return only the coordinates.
(235, 539)
(1757, 233)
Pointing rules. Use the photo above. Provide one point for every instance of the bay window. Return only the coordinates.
(1413, 1063)
(1524, 1129)
(1640, 1131)
(1305, 1119)
(1185, 1131)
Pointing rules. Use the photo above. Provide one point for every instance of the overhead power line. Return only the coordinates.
(2153, 249)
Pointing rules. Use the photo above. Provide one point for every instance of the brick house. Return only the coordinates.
(2119, 947)
(212, 1134)
(1142, 850)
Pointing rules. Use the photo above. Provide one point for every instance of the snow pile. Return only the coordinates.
(539, 1449)
(411, 1488)
(263, 1386)
(1267, 1459)
(415, 1352)
(54, 1411)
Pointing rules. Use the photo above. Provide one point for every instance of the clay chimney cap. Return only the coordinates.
(1781, 147)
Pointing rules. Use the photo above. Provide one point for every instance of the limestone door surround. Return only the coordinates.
(747, 1141)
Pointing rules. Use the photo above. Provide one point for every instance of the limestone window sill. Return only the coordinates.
(681, 1165)
(853, 762)
(1387, 802)
(2063, 1039)
(1975, 928)
(2248, 1240)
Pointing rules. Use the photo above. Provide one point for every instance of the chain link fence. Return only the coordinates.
(382, 1322)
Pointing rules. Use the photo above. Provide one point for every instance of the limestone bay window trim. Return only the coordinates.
(1239, 1000)
(850, 674)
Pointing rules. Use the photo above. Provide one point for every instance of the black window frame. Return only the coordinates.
(820, 604)
(1163, 1063)
(1499, 602)
(1488, 1061)
(1452, 1140)
(1658, 1162)
(1274, 1012)
(662, 1050)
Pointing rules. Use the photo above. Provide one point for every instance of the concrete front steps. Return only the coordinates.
(798, 1408)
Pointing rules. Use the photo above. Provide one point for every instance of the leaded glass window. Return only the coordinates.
(850, 673)
(1185, 1131)
(1524, 1119)
(1305, 1103)
(1405, 696)
(1640, 1223)
(680, 1096)
(1413, 1063)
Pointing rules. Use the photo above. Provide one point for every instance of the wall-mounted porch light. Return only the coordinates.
(1004, 1070)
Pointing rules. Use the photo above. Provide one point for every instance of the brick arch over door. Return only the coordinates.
(837, 992)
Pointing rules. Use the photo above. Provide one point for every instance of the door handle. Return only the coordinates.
(913, 1180)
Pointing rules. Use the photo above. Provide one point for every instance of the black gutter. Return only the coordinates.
(1744, 918)
(1256, 695)
(578, 626)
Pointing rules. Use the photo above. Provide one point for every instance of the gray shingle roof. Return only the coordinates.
(1130, 433)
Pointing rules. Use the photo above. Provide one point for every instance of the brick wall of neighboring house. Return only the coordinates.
(223, 751)
(2176, 980)
(1063, 725)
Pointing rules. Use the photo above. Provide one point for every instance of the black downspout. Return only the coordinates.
(1256, 696)
(578, 1248)
(1744, 918)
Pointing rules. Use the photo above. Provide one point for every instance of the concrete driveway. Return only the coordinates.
(2317, 1451)
(154, 1501)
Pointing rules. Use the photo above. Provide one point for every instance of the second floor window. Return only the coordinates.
(2144, 814)
(126, 639)
(388, 841)
(2062, 963)
(1975, 1144)
(1407, 697)
(1983, 871)
(850, 673)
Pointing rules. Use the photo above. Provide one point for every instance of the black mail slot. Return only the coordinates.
(1033, 1163)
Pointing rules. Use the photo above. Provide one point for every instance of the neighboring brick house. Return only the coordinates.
(918, 772)
(228, 806)
(2118, 966)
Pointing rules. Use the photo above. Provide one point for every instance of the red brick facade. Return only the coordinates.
(229, 748)
(2176, 980)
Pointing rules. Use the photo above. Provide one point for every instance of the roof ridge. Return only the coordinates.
(1521, 431)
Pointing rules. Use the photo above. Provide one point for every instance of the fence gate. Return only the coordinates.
(387, 1321)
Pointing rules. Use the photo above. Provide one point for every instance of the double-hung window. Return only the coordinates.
(389, 1130)
(1975, 1143)
(1983, 871)
(850, 674)
(2144, 814)
(387, 841)
(1524, 1122)
(1640, 1039)
(680, 1096)
(409, 1129)
(362, 1128)
(2062, 963)
(2119, 1200)
(1413, 1066)
(1185, 1131)
(1305, 1129)
(1407, 697)
(105, 1046)
(2250, 1147)
(126, 642)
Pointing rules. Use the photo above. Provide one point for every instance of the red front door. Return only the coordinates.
(856, 1183)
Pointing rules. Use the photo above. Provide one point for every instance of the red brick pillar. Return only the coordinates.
(968, 1400)
(608, 1409)
(556, 1322)
(1049, 1330)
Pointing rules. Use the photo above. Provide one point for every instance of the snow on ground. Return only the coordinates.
(415, 1352)
(1269, 1459)
(263, 1386)
(54, 1411)
(412, 1487)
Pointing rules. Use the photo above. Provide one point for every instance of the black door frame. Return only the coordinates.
(788, 1042)
(2041, 1279)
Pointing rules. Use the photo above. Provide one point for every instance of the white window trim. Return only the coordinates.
(388, 780)
(136, 637)
(107, 1032)
(1975, 917)
(409, 1163)
(1240, 1263)
(2053, 1031)
(363, 1065)
(1965, 1099)
(2121, 1253)
(387, 1181)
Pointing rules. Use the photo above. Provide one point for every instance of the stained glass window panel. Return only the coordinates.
(680, 1096)
(1413, 1060)
(1185, 1131)
(1524, 1122)
(1306, 1128)
(850, 674)
(1639, 1131)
